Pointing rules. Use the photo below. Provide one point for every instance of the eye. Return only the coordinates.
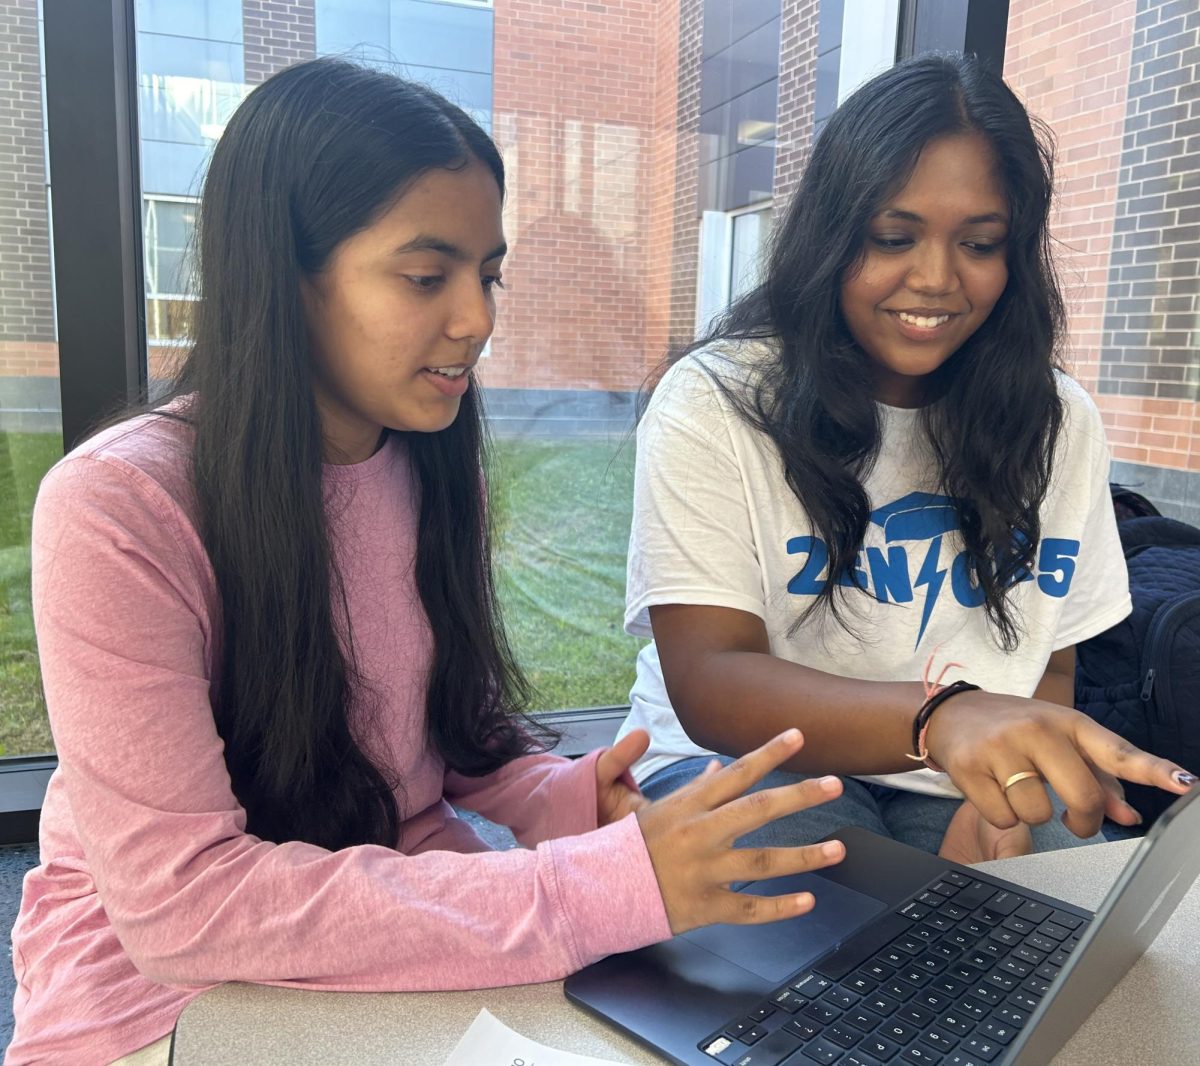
(983, 247)
(890, 242)
(424, 282)
(492, 281)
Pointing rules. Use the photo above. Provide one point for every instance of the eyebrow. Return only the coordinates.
(425, 243)
(974, 220)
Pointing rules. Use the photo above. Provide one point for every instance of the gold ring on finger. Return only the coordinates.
(1022, 775)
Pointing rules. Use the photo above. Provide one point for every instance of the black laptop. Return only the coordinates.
(906, 959)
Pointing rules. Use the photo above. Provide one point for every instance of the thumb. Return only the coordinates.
(617, 760)
(1009, 843)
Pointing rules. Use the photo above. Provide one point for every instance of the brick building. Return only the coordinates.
(1119, 82)
(649, 143)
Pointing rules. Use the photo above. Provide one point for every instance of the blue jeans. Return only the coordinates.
(912, 818)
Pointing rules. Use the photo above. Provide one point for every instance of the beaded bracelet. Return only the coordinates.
(920, 724)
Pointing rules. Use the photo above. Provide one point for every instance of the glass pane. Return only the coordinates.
(442, 35)
(168, 227)
(750, 233)
(30, 422)
(213, 20)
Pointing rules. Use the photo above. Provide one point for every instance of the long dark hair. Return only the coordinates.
(994, 429)
(312, 156)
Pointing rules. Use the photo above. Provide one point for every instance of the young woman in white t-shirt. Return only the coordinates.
(886, 408)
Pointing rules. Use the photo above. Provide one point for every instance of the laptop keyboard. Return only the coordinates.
(947, 979)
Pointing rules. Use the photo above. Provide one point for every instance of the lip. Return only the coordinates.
(454, 387)
(923, 312)
(917, 333)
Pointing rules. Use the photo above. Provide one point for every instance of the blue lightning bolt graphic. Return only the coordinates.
(933, 577)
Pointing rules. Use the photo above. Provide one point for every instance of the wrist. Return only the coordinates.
(925, 718)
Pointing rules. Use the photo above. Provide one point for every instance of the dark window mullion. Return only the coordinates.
(91, 110)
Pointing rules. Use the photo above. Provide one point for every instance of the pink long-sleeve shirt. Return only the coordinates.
(150, 889)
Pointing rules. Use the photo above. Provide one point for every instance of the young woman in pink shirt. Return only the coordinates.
(270, 643)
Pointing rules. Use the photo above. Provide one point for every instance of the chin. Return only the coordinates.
(431, 422)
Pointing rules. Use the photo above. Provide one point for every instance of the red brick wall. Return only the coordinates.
(26, 310)
(799, 25)
(574, 114)
(277, 33)
(1071, 62)
(664, 157)
(685, 210)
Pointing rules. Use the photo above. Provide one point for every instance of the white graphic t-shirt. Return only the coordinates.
(715, 524)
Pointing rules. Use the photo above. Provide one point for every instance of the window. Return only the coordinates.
(167, 227)
(732, 253)
(30, 420)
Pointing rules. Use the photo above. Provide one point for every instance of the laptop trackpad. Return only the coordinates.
(775, 950)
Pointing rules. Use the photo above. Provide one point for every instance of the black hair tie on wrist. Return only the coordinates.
(921, 720)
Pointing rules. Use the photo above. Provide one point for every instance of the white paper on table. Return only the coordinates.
(489, 1042)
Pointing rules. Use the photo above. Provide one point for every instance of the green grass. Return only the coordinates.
(24, 458)
(562, 521)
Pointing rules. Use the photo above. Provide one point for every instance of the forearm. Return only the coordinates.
(1056, 688)
(1058, 682)
(734, 701)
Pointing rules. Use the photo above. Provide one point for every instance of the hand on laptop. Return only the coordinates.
(690, 836)
(986, 740)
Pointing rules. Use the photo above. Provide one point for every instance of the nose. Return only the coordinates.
(933, 271)
(473, 315)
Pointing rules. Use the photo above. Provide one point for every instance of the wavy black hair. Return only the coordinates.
(997, 415)
(312, 156)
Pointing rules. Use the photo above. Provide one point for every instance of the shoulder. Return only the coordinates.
(1082, 426)
(1073, 395)
(138, 465)
(714, 373)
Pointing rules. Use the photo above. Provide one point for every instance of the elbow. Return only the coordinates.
(698, 719)
(170, 943)
(157, 959)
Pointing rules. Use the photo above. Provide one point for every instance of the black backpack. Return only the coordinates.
(1141, 678)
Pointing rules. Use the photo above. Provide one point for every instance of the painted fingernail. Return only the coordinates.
(829, 784)
(1184, 778)
(831, 849)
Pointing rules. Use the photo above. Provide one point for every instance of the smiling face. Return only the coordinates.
(402, 309)
(932, 269)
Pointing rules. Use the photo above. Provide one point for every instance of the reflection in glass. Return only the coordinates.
(185, 110)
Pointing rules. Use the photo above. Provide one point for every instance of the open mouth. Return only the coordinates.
(448, 371)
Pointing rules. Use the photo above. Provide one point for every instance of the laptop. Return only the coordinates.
(906, 959)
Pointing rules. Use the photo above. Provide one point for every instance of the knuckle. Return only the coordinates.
(1123, 751)
(758, 804)
(761, 862)
(743, 764)
(1035, 726)
(1039, 813)
(1091, 797)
